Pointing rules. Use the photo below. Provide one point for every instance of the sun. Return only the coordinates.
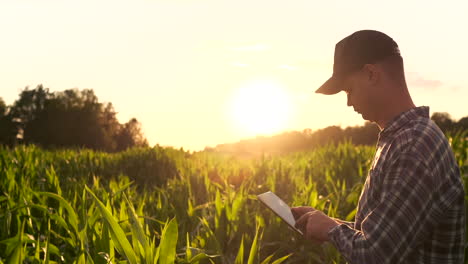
(261, 107)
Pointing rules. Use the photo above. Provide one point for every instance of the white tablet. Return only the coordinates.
(279, 207)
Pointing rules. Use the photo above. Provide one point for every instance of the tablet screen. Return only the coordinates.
(280, 208)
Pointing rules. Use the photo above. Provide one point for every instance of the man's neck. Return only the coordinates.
(394, 109)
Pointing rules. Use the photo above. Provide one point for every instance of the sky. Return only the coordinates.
(199, 73)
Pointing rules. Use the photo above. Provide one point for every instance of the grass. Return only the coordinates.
(161, 205)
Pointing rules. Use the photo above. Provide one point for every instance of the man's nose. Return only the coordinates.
(349, 100)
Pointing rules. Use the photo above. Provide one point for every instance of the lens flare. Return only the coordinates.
(261, 107)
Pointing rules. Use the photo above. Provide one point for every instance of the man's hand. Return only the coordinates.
(313, 223)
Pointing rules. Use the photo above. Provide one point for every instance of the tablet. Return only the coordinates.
(279, 207)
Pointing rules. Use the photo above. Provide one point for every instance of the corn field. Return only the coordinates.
(162, 205)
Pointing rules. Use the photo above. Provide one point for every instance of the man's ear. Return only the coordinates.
(371, 72)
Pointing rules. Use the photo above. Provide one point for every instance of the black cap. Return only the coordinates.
(353, 52)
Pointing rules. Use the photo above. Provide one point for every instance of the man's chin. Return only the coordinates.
(365, 117)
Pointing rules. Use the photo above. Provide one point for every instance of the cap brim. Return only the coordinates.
(331, 86)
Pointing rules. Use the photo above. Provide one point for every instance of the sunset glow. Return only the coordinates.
(200, 73)
(261, 107)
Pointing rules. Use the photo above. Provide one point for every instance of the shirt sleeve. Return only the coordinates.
(348, 223)
(402, 217)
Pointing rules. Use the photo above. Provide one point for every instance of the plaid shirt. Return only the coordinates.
(412, 206)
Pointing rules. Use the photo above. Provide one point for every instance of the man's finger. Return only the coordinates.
(302, 221)
(301, 210)
(308, 229)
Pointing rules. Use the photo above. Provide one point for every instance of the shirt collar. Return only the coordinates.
(403, 118)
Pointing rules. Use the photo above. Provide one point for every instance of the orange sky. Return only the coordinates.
(196, 73)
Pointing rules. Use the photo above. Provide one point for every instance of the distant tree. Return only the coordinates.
(3, 108)
(363, 135)
(443, 121)
(69, 118)
(130, 135)
(307, 132)
(309, 139)
(27, 108)
(328, 135)
(72, 118)
(209, 149)
(296, 141)
(7, 126)
(462, 124)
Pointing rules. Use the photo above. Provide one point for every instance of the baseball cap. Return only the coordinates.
(353, 52)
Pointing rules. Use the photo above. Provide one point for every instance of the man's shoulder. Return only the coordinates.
(423, 143)
(420, 139)
(420, 134)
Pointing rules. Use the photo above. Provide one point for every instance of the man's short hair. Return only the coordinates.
(393, 66)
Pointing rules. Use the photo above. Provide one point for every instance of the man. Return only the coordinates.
(412, 206)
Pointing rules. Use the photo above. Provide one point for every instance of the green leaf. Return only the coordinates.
(254, 248)
(202, 256)
(121, 242)
(123, 188)
(280, 260)
(47, 251)
(72, 218)
(351, 215)
(218, 202)
(236, 207)
(137, 229)
(168, 243)
(313, 198)
(18, 253)
(188, 252)
(267, 260)
(240, 253)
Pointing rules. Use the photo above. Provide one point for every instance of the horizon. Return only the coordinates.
(201, 73)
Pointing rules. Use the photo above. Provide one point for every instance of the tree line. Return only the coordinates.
(308, 139)
(69, 119)
(76, 119)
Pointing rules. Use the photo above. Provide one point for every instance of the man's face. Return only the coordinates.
(363, 94)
